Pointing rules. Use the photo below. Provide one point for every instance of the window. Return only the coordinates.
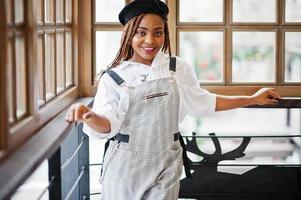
(55, 60)
(39, 67)
(17, 69)
(106, 33)
(233, 45)
(239, 44)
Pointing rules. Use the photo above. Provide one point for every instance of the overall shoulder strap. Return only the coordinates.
(115, 77)
(172, 64)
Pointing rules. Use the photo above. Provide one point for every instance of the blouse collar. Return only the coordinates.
(159, 60)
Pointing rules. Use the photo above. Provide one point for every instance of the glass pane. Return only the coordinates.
(49, 11)
(9, 81)
(20, 76)
(60, 11)
(60, 68)
(40, 69)
(69, 63)
(107, 11)
(201, 11)
(49, 66)
(204, 51)
(107, 46)
(68, 8)
(34, 185)
(292, 10)
(254, 11)
(293, 56)
(19, 11)
(40, 6)
(253, 58)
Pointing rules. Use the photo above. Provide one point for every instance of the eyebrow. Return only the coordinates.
(144, 28)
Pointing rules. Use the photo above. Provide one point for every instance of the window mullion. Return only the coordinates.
(228, 42)
(172, 25)
(3, 83)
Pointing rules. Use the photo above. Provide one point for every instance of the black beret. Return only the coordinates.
(138, 7)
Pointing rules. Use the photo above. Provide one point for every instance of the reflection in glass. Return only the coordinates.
(293, 56)
(59, 11)
(253, 58)
(107, 46)
(68, 57)
(49, 11)
(19, 11)
(107, 11)
(20, 76)
(40, 69)
(254, 10)
(60, 68)
(68, 9)
(204, 51)
(49, 66)
(201, 11)
(292, 10)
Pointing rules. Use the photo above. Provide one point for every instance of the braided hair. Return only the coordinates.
(126, 51)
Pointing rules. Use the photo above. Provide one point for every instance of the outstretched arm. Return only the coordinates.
(81, 113)
(261, 97)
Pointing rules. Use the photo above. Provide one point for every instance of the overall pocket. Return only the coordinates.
(124, 163)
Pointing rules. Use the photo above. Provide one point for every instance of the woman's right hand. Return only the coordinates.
(78, 113)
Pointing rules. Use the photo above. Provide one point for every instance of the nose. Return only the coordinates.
(149, 39)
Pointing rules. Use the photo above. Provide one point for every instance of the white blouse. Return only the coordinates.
(112, 100)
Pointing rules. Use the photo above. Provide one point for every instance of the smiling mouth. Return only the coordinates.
(148, 50)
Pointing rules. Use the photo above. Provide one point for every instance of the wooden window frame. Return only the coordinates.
(228, 26)
(12, 136)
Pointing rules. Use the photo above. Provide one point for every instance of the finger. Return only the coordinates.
(71, 116)
(273, 102)
(88, 115)
(274, 95)
(69, 112)
(67, 117)
(75, 115)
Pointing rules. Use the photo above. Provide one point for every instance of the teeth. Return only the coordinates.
(148, 48)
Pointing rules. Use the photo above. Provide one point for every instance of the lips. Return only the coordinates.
(148, 50)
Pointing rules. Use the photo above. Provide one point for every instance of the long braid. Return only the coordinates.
(126, 51)
(166, 46)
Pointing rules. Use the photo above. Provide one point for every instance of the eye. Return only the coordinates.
(158, 33)
(141, 33)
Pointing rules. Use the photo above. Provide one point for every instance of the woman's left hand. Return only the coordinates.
(266, 96)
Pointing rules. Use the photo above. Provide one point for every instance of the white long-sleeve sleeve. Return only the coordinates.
(195, 101)
(110, 102)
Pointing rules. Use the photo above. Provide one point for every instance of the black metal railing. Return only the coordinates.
(258, 181)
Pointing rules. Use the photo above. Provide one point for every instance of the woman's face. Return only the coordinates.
(148, 39)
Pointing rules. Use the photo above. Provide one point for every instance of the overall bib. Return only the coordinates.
(144, 160)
